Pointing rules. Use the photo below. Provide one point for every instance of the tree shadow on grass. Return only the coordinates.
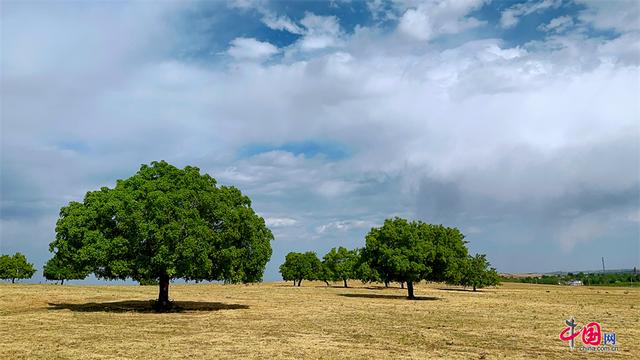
(386, 296)
(458, 289)
(373, 287)
(146, 306)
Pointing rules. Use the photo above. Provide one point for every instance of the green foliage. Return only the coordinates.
(302, 266)
(149, 282)
(164, 223)
(61, 269)
(341, 264)
(15, 267)
(364, 272)
(477, 273)
(406, 251)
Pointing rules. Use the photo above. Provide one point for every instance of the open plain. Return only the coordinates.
(277, 320)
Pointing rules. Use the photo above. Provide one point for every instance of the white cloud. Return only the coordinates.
(320, 32)
(511, 16)
(333, 188)
(280, 222)
(251, 49)
(344, 225)
(620, 15)
(557, 25)
(281, 22)
(431, 19)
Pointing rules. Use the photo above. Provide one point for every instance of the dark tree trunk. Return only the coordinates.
(13, 281)
(401, 284)
(386, 284)
(326, 282)
(62, 282)
(474, 288)
(345, 282)
(299, 282)
(410, 290)
(163, 295)
(294, 282)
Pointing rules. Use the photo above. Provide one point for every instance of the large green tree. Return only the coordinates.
(409, 252)
(15, 267)
(164, 223)
(302, 266)
(341, 264)
(478, 273)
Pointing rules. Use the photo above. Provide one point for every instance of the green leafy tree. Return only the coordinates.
(164, 223)
(341, 264)
(409, 252)
(477, 273)
(60, 270)
(301, 266)
(15, 267)
(324, 274)
(363, 271)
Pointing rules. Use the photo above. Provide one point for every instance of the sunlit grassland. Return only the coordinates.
(277, 320)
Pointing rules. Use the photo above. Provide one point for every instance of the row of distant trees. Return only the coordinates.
(15, 267)
(399, 251)
(618, 278)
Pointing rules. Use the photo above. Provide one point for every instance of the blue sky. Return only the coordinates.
(516, 121)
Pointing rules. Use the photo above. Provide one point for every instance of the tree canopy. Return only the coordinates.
(477, 273)
(60, 269)
(302, 266)
(409, 252)
(164, 223)
(15, 267)
(341, 264)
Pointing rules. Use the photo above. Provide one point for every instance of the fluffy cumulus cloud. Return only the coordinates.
(531, 148)
(433, 18)
(251, 49)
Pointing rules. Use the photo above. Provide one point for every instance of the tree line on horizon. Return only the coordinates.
(400, 251)
(629, 278)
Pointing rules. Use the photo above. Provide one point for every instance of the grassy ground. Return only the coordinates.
(276, 320)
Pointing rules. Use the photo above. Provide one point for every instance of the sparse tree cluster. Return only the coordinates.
(15, 266)
(401, 251)
(165, 223)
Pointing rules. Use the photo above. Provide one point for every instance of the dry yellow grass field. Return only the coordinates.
(276, 320)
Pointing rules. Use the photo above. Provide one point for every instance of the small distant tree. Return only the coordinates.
(408, 252)
(477, 273)
(324, 274)
(341, 264)
(301, 266)
(58, 269)
(15, 267)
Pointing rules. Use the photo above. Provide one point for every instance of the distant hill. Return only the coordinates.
(563, 273)
(612, 271)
